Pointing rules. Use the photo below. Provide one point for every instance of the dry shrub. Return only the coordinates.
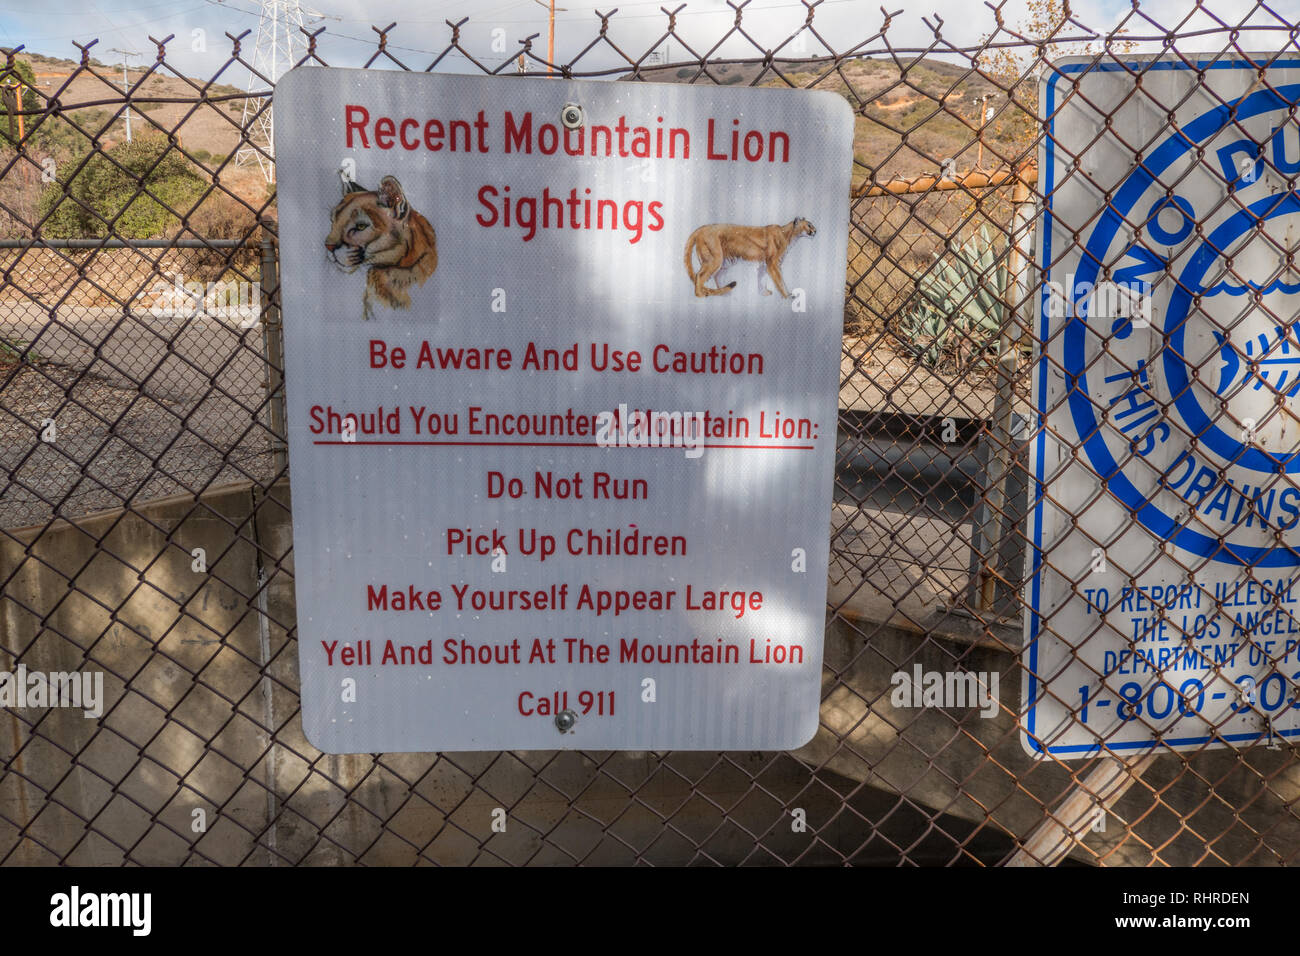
(19, 192)
(221, 216)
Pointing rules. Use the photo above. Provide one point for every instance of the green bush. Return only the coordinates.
(114, 195)
(58, 138)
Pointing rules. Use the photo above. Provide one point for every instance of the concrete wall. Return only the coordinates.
(202, 713)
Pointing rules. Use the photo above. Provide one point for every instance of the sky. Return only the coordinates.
(495, 27)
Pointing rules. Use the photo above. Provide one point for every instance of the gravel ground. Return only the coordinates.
(114, 445)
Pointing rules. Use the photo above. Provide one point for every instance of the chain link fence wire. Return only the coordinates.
(146, 504)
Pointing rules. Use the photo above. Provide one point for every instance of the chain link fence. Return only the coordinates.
(146, 502)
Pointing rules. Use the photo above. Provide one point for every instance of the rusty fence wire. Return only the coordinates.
(143, 441)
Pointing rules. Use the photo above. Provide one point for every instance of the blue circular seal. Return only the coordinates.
(1190, 284)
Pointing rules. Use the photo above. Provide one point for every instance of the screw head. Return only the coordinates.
(565, 720)
(571, 116)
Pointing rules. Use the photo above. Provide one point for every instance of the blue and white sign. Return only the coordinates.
(1165, 518)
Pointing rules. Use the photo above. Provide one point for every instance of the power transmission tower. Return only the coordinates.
(279, 32)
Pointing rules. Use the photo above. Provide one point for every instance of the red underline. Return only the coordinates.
(562, 444)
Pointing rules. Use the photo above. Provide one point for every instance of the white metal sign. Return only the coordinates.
(1167, 614)
(562, 362)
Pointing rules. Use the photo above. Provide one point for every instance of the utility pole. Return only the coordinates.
(984, 118)
(14, 89)
(550, 33)
(126, 86)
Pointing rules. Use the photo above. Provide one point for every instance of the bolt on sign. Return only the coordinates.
(1167, 614)
(562, 362)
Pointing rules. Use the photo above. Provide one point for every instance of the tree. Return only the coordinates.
(1015, 129)
(105, 193)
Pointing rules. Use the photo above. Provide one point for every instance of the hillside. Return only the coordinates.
(917, 114)
(210, 135)
(912, 116)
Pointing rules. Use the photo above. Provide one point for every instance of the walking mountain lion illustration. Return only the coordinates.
(722, 243)
(378, 228)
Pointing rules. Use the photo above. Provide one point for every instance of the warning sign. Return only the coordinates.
(562, 362)
(1167, 612)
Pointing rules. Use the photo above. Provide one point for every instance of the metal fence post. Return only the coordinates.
(1000, 458)
(273, 347)
(1066, 825)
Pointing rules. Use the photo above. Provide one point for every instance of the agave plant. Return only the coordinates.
(960, 306)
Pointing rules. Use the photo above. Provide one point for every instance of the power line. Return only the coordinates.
(82, 13)
(27, 41)
(721, 11)
(373, 41)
